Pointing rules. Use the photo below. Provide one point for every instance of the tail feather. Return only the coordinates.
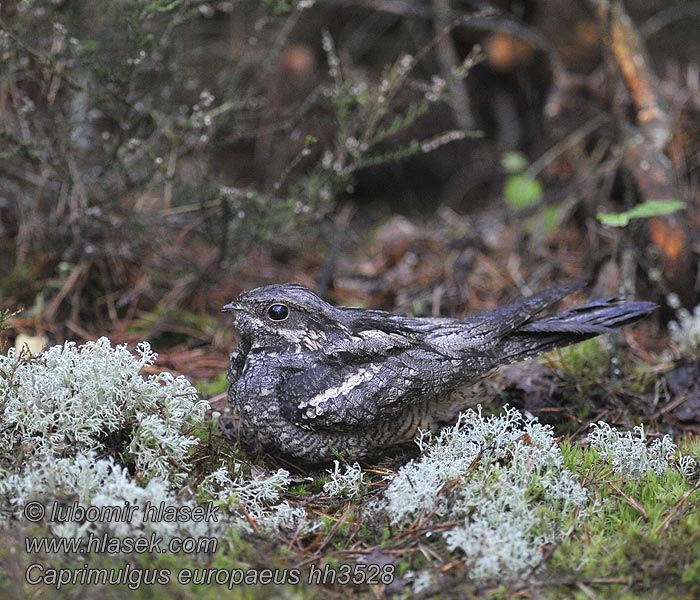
(575, 325)
(558, 327)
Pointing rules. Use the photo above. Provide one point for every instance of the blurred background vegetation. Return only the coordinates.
(428, 156)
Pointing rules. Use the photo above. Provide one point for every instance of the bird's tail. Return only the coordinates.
(575, 325)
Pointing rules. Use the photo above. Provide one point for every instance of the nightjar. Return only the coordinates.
(314, 381)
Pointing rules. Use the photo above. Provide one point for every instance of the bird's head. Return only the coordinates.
(282, 314)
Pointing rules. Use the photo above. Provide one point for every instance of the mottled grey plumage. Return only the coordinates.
(312, 380)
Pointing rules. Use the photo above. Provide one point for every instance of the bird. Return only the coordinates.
(315, 382)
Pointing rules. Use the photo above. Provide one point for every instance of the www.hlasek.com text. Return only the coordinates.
(107, 544)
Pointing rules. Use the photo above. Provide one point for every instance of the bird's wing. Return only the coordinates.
(333, 396)
(373, 334)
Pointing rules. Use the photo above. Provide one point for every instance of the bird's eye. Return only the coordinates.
(278, 312)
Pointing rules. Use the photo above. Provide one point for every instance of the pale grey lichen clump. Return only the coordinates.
(348, 483)
(685, 332)
(67, 411)
(629, 454)
(71, 398)
(502, 478)
(96, 482)
(258, 496)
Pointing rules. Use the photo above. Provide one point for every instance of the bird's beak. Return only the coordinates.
(233, 306)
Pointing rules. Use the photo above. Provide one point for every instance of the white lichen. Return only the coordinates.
(420, 581)
(350, 483)
(84, 480)
(255, 500)
(685, 332)
(80, 399)
(629, 454)
(503, 479)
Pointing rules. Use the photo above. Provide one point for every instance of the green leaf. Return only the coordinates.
(522, 191)
(551, 218)
(613, 219)
(645, 210)
(513, 162)
(655, 208)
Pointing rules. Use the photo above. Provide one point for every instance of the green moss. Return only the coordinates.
(644, 532)
(304, 490)
(209, 389)
(587, 363)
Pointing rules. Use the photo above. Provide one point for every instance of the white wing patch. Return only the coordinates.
(314, 406)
